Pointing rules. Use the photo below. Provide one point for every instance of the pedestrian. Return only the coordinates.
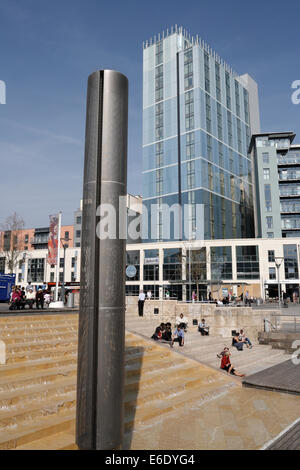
(149, 295)
(39, 298)
(141, 302)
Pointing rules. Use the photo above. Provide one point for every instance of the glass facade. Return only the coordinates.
(290, 262)
(247, 262)
(221, 263)
(36, 270)
(196, 135)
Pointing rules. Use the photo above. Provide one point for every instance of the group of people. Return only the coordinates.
(164, 334)
(20, 297)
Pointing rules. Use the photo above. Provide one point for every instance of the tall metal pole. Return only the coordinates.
(101, 342)
(58, 256)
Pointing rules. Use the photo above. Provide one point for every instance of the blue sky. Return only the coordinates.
(48, 49)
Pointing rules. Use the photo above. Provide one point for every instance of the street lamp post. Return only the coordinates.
(278, 262)
(65, 246)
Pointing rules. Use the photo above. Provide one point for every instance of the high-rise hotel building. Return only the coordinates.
(198, 118)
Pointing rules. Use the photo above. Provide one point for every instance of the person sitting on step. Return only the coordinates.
(226, 365)
(203, 328)
(242, 337)
(182, 321)
(157, 335)
(238, 343)
(222, 353)
(167, 333)
(178, 337)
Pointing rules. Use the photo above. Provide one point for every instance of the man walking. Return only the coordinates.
(141, 303)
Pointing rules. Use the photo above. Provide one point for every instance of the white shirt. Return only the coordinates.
(181, 320)
(142, 296)
(149, 294)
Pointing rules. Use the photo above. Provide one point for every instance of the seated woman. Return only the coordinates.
(157, 335)
(226, 365)
(239, 344)
(167, 333)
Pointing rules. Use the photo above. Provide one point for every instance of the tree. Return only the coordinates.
(197, 270)
(11, 241)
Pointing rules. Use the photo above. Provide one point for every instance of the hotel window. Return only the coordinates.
(159, 154)
(266, 173)
(237, 99)
(272, 273)
(189, 110)
(78, 220)
(269, 220)
(268, 200)
(190, 145)
(270, 234)
(26, 238)
(52, 277)
(188, 69)
(218, 82)
(246, 106)
(228, 97)
(159, 53)
(265, 157)
(191, 175)
(206, 72)
(271, 256)
(208, 114)
(159, 83)
(229, 126)
(159, 181)
(159, 121)
(239, 135)
(209, 148)
(219, 119)
(290, 261)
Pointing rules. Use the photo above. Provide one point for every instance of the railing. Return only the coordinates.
(285, 323)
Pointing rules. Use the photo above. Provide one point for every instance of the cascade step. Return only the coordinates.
(35, 411)
(47, 426)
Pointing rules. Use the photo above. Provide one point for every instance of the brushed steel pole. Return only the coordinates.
(100, 384)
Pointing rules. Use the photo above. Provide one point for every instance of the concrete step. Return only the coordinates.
(40, 354)
(47, 426)
(33, 378)
(64, 440)
(12, 400)
(42, 364)
(12, 338)
(54, 404)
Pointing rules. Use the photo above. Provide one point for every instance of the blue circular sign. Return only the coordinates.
(130, 271)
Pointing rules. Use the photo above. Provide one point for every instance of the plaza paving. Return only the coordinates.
(172, 399)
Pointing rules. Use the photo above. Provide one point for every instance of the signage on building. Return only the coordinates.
(130, 271)
(151, 260)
